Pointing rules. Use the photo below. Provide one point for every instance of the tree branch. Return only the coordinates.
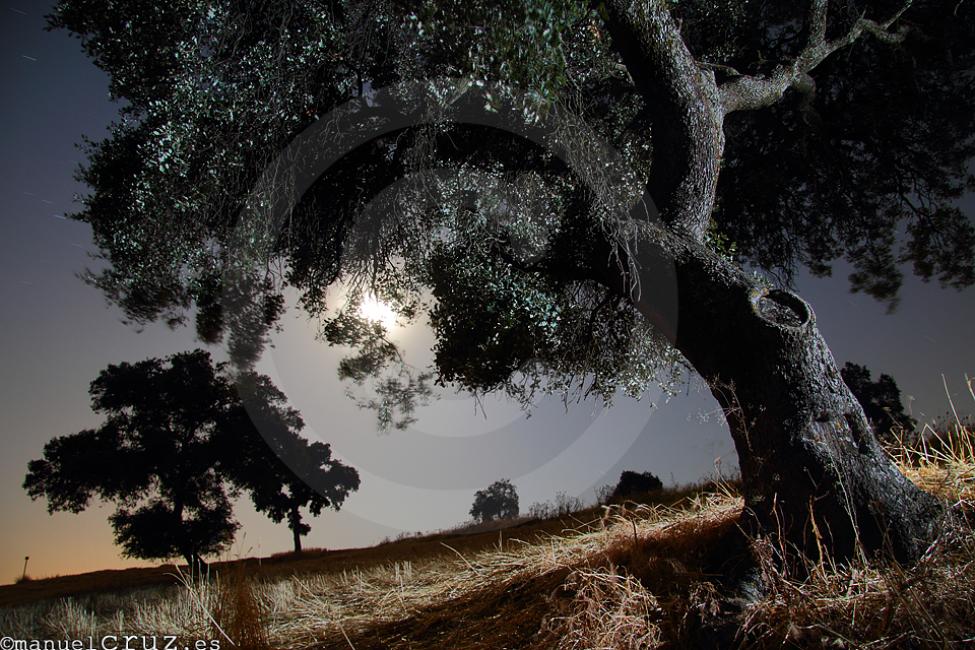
(753, 92)
(684, 107)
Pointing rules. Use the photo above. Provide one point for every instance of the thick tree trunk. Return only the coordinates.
(811, 467)
(294, 521)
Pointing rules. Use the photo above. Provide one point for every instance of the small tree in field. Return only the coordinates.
(635, 483)
(881, 401)
(498, 501)
(282, 471)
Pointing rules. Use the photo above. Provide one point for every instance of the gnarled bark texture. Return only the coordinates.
(813, 472)
(811, 466)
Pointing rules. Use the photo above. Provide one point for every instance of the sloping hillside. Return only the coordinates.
(631, 576)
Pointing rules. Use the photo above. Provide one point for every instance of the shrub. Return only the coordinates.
(633, 484)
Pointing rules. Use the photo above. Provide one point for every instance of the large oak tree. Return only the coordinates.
(578, 194)
(181, 438)
(155, 456)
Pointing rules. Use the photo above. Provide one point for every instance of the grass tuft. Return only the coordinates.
(240, 614)
(609, 609)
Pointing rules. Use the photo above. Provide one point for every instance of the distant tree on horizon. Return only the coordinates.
(635, 483)
(881, 401)
(497, 501)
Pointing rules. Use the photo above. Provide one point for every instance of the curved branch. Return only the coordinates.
(684, 107)
(753, 92)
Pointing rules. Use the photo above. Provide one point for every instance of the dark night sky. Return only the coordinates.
(58, 333)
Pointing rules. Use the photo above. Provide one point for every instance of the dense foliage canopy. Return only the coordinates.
(495, 233)
(633, 484)
(282, 471)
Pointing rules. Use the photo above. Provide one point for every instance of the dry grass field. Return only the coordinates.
(653, 575)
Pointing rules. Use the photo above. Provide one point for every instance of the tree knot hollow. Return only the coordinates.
(782, 308)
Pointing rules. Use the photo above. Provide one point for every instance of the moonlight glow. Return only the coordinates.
(375, 310)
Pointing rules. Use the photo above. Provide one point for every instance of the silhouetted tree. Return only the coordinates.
(751, 136)
(881, 401)
(180, 438)
(155, 457)
(633, 484)
(497, 501)
(282, 471)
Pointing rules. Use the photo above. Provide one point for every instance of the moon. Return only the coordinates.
(377, 311)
